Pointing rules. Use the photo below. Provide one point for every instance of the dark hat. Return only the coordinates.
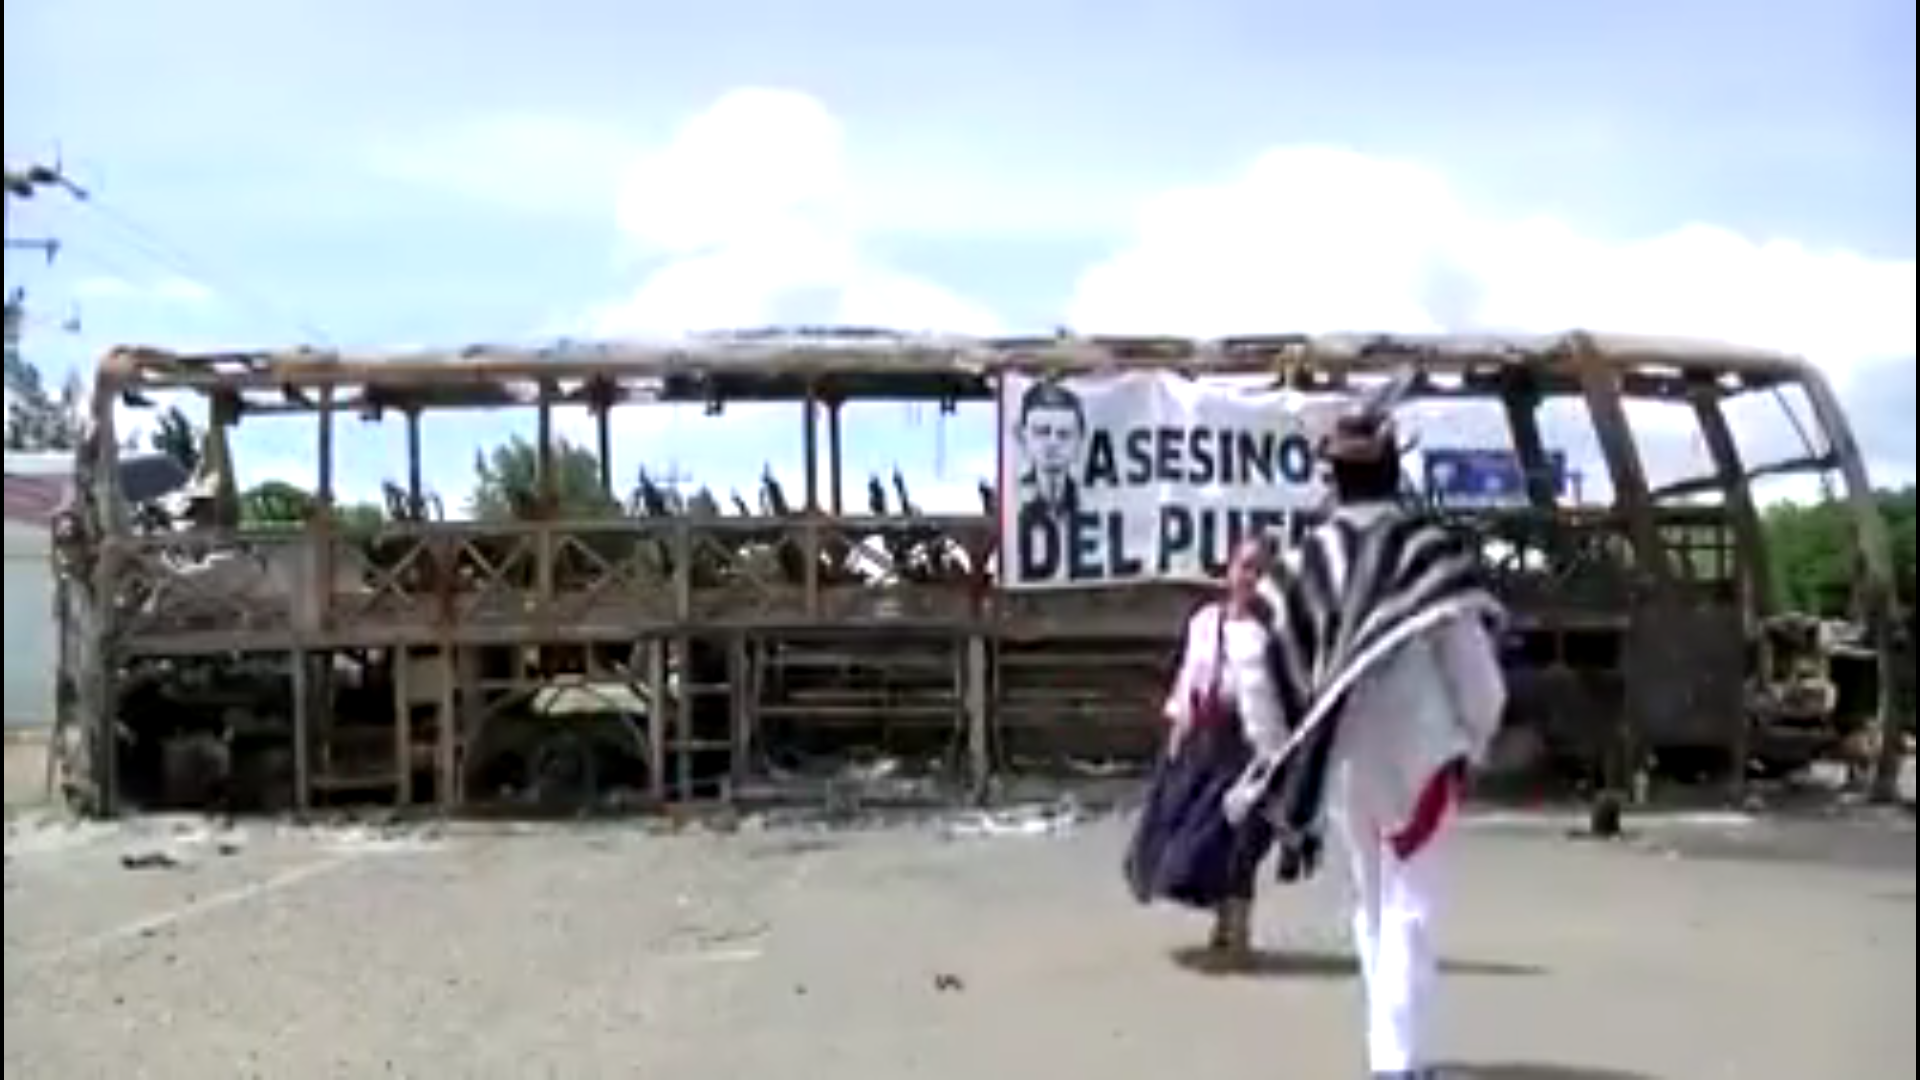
(1365, 431)
(1360, 438)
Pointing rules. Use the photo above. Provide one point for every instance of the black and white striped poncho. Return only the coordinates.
(1354, 589)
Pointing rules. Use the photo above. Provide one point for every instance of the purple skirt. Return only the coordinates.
(1184, 849)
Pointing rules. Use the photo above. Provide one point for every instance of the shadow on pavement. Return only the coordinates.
(1310, 964)
(1531, 1070)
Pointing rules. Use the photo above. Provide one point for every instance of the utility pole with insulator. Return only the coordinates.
(23, 183)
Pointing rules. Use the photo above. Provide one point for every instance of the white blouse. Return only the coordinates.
(1240, 668)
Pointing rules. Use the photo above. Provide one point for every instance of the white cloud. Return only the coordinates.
(753, 213)
(1322, 239)
(745, 215)
(907, 183)
(1307, 240)
(166, 290)
(755, 162)
(1317, 239)
(748, 207)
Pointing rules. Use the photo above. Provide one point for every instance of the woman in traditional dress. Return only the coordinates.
(1184, 849)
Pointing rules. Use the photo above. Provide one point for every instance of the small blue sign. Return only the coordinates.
(1485, 476)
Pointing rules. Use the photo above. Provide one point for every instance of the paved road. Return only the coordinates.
(1709, 947)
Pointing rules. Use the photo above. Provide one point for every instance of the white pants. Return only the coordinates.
(1393, 917)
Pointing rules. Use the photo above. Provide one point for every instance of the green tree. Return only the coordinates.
(1899, 508)
(1815, 557)
(36, 419)
(359, 517)
(276, 504)
(176, 437)
(507, 482)
(1813, 548)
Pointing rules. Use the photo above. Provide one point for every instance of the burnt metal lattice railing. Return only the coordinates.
(1587, 561)
(432, 581)
(244, 584)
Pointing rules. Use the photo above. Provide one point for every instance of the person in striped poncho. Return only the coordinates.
(1381, 686)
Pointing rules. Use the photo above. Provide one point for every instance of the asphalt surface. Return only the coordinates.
(1703, 947)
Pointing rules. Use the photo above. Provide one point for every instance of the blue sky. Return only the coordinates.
(437, 172)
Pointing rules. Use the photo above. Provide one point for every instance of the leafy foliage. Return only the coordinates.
(176, 437)
(36, 420)
(277, 504)
(507, 485)
(1814, 560)
(1814, 557)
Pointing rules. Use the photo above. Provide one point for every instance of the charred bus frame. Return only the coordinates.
(455, 618)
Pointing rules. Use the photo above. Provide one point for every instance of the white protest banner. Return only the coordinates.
(1145, 476)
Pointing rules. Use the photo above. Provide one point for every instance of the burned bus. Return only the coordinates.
(662, 650)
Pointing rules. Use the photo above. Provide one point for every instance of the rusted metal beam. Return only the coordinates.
(810, 546)
(1702, 485)
(1624, 467)
(603, 430)
(416, 490)
(446, 710)
(681, 742)
(1653, 576)
(895, 356)
(302, 666)
(402, 725)
(320, 530)
(1521, 400)
(1878, 598)
(683, 547)
(504, 393)
(545, 481)
(657, 695)
(742, 693)
(1735, 481)
(810, 449)
(104, 532)
(1688, 488)
(549, 499)
(324, 449)
(1757, 600)
(835, 462)
(979, 714)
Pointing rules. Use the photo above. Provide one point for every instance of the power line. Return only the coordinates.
(22, 184)
(89, 253)
(46, 246)
(152, 245)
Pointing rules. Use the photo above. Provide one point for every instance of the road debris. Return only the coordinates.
(390, 837)
(1055, 819)
(182, 844)
(150, 859)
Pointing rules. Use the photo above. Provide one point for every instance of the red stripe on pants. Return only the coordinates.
(1429, 811)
